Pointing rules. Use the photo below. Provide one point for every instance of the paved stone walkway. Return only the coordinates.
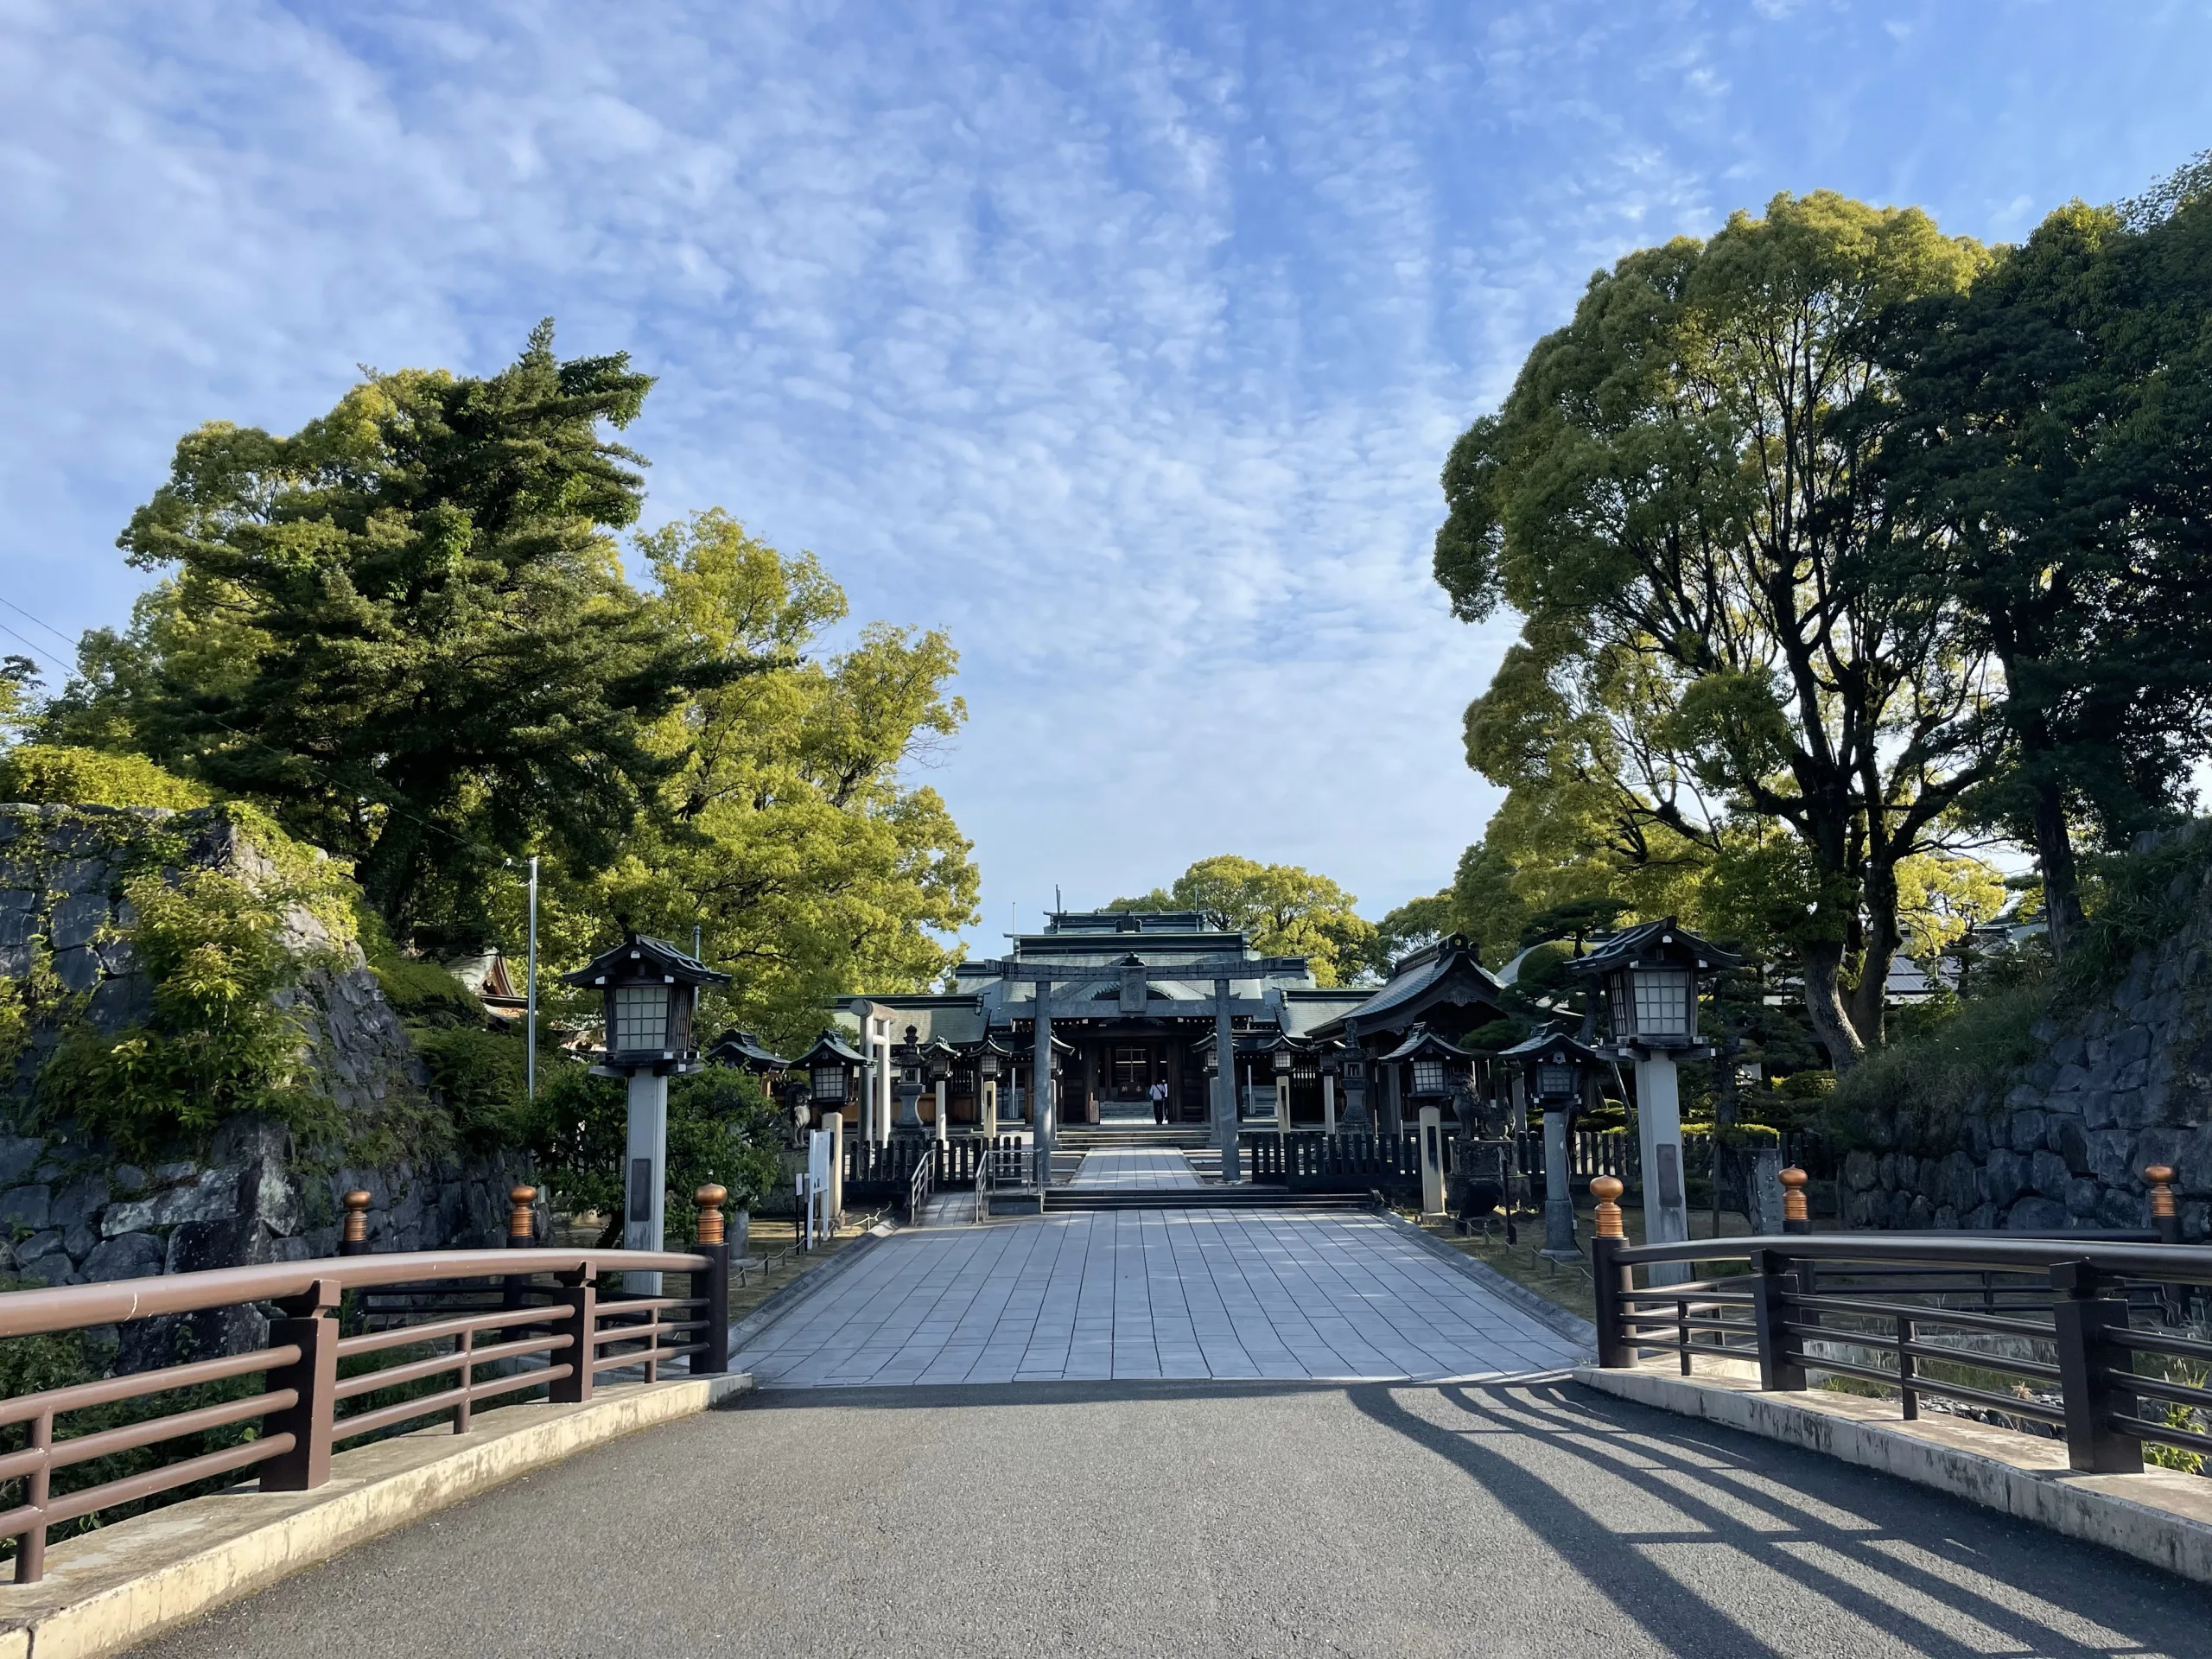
(1141, 1168)
(1152, 1294)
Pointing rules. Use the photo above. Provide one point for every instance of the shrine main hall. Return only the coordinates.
(1136, 997)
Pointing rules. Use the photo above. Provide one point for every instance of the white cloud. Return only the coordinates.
(1126, 344)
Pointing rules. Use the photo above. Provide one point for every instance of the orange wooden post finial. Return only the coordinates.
(1796, 1217)
(709, 1198)
(2163, 1217)
(2162, 1192)
(353, 1239)
(522, 1222)
(1607, 1190)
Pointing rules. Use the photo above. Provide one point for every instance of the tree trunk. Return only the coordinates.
(1832, 1024)
(1869, 999)
(2062, 888)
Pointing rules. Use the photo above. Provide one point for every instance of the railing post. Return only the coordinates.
(1609, 1277)
(522, 1234)
(354, 1238)
(2162, 1216)
(307, 1323)
(713, 1284)
(2090, 1367)
(1796, 1215)
(1772, 1281)
(575, 1315)
(30, 1549)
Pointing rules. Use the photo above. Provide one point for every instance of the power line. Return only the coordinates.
(41, 622)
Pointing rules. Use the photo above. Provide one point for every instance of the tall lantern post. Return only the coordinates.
(650, 994)
(1647, 978)
(1553, 1073)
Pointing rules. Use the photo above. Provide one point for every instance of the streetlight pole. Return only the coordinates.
(530, 993)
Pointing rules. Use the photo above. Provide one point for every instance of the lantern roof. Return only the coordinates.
(743, 1049)
(1662, 943)
(1553, 1048)
(830, 1049)
(642, 958)
(1422, 1044)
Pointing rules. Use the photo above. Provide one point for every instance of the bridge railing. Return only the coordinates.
(356, 1346)
(2095, 1339)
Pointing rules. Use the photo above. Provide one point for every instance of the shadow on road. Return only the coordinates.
(1588, 1473)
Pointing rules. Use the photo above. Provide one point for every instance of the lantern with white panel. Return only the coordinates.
(1552, 1074)
(1438, 1070)
(1647, 980)
(650, 997)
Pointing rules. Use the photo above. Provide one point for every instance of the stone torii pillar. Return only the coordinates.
(1040, 1087)
(1224, 1102)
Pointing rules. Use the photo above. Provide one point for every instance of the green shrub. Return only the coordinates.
(1934, 1081)
(217, 1044)
(482, 1075)
(56, 775)
(721, 1129)
(419, 992)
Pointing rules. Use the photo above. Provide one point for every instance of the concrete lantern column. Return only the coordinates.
(1558, 1199)
(1040, 1088)
(1659, 1142)
(1432, 1160)
(643, 1196)
(1224, 1094)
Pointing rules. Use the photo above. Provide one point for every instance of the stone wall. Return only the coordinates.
(71, 1212)
(2120, 1084)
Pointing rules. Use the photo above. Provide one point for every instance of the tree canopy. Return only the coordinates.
(1283, 910)
(783, 825)
(406, 627)
(2053, 473)
(1680, 499)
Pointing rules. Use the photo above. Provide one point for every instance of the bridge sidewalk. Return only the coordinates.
(114, 1587)
(2162, 1515)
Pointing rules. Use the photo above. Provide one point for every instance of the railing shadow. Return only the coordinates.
(2002, 1586)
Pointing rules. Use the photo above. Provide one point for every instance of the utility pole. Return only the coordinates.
(529, 994)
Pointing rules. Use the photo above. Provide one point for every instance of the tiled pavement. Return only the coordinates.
(1139, 1168)
(1151, 1293)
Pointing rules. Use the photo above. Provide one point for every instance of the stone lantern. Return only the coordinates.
(1440, 1068)
(1647, 979)
(650, 997)
(907, 1063)
(937, 1057)
(1553, 1071)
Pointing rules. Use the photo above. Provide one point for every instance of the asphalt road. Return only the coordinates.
(1208, 1519)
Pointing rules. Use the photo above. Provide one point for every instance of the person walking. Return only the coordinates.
(1159, 1092)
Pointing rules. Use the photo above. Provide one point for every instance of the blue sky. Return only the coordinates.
(1123, 341)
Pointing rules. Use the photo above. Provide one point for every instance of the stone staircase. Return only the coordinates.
(1094, 1137)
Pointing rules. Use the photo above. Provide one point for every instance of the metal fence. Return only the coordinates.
(2099, 1342)
(444, 1331)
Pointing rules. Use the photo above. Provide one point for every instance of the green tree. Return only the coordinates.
(2055, 476)
(785, 825)
(1679, 498)
(406, 627)
(1282, 909)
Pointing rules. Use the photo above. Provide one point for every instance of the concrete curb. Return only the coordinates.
(2162, 1515)
(116, 1588)
(801, 1287)
(1536, 1306)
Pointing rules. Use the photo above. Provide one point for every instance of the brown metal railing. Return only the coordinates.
(2082, 1337)
(556, 1335)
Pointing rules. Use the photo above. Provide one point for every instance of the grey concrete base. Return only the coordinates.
(2161, 1515)
(113, 1588)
